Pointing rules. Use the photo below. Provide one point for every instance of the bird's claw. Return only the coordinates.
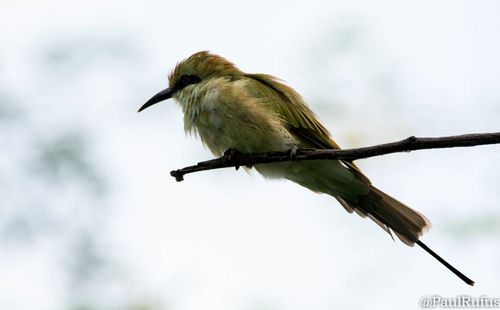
(293, 152)
(229, 155)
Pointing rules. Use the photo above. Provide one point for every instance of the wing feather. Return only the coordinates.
(299, 117)
(302, 122)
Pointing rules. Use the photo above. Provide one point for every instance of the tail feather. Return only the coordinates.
(390, 214)
(350, 207)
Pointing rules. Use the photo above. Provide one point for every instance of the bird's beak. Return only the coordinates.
(163, 95)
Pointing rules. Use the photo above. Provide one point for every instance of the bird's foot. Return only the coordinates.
(230, 154)
(293, 152)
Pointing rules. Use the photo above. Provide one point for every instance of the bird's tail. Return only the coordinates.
(390, 214)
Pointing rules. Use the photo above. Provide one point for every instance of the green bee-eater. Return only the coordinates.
(256, 113)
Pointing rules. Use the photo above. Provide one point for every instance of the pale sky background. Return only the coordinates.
(91, 219)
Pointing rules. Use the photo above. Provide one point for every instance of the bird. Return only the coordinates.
(256, 113)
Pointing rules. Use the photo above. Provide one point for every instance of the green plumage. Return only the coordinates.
(256, 113)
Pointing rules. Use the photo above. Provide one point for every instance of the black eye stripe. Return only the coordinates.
(187, 79)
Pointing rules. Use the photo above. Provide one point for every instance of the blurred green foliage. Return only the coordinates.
(66, 156)
(473, 227)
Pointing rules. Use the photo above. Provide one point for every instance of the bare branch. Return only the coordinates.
(233, 158)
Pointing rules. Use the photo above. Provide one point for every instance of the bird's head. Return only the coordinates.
(197, 68)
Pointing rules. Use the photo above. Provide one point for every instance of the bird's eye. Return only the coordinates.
(188, 79)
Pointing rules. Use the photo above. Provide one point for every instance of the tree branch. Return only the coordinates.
(233, 158)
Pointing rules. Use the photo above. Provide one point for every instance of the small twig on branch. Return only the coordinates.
(233, 158)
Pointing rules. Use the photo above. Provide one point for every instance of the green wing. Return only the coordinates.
(302, 122)
(287, 102)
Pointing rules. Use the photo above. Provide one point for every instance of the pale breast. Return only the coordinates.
(226, 116)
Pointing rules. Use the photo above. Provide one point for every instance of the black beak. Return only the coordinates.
(163, 95)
